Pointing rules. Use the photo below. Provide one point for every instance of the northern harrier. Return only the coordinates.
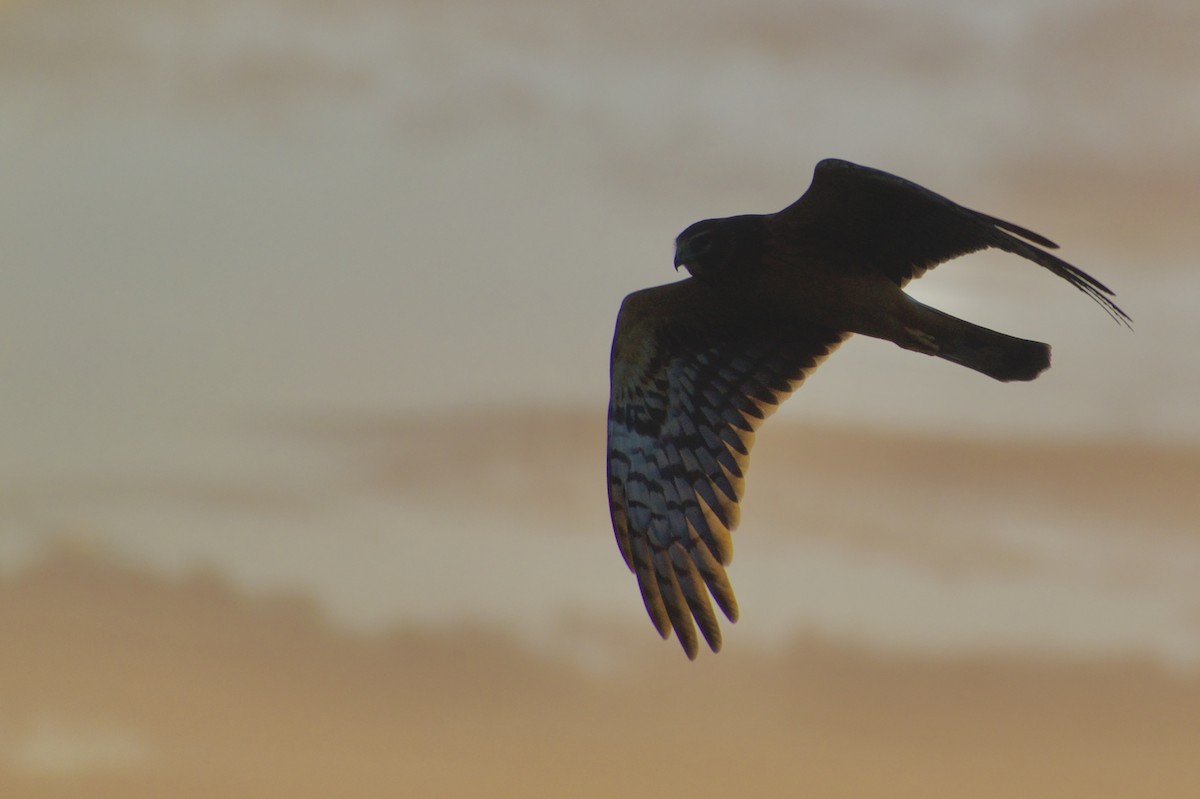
(698, 364)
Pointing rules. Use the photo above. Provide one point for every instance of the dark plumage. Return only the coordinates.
(697, 365)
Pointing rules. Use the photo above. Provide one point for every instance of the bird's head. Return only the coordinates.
(713, 246)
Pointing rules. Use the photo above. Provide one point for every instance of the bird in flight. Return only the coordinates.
(698, 364)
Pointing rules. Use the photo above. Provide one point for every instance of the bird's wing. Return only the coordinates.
(868, 218)
(691, 382)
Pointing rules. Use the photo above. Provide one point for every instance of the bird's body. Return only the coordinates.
(699, 363)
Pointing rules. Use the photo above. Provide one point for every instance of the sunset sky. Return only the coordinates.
(316, 299)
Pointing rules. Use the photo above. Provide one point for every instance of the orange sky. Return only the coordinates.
(216, 693)
(221, 218)
(315, 301)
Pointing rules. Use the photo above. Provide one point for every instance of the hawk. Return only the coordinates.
(698, 364)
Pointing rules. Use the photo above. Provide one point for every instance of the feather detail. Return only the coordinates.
(683, 412)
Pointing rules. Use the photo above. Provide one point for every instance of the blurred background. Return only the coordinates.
(305, 312)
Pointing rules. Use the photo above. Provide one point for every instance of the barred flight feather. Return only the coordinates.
(680, 430)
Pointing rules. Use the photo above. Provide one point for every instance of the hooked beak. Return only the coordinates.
(682, 255)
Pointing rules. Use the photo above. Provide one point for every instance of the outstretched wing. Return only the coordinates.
(868, 218)
(691, 382)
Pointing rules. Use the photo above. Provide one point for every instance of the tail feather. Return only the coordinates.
(999, 356)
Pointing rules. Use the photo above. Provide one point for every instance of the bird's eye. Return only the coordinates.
(701, 242)
(705, 248)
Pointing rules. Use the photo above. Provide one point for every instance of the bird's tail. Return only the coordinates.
(996, 355)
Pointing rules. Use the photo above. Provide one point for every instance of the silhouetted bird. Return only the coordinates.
(698, 364)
